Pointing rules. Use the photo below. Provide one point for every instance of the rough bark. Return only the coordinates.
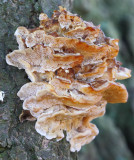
(20, 140)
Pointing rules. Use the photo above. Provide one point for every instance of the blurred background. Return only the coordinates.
(116, 138)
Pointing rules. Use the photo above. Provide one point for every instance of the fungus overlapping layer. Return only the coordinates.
(73, 69)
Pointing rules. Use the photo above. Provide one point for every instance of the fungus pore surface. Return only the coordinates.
(73, 69)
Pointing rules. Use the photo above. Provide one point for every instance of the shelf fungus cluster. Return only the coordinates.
(73, 69)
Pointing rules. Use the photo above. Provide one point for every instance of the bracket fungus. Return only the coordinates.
(73, 69)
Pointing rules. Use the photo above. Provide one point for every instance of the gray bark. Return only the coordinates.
(20, 141)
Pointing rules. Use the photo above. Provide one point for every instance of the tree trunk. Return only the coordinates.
(20, 141)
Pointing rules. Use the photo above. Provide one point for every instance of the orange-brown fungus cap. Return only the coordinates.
(73, 69)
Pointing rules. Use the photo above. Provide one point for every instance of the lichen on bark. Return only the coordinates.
(19, 140)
